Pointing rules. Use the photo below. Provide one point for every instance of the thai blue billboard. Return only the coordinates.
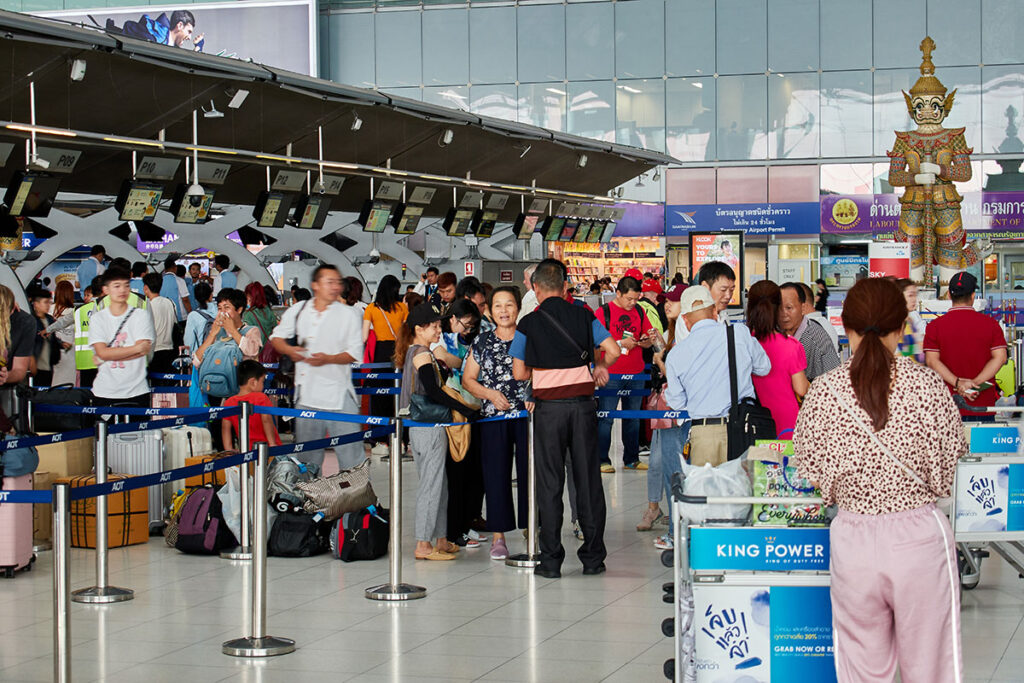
(791, 218)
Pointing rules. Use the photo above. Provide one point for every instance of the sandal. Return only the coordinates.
(448, 547)
(436, 555)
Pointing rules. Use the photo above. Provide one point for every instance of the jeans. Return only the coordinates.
(630, 427)
(670, 444)
(306, 429)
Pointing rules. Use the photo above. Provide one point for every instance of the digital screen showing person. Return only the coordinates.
(725, 247)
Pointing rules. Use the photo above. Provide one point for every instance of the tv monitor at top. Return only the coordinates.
(311, 211)
(583, 234)
(609, 231)
(483, 223)
(271, 209)
(406, 218)
(553, 228)
(182, 209)
(31, 194)
(375, 215)
(525, 225)
(457, 222)
(569, 230)
(596, 232)
(138, 201)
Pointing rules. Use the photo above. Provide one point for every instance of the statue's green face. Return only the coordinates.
(928, 109)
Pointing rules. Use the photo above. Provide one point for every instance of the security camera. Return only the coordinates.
(374, 256)
(196, 194)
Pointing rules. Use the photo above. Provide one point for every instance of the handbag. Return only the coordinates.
(656, 401)
(17, 462)
(748, 419)
(268, 354)
(421, 408)
(346, 491)
(458, 435)
(61, 395)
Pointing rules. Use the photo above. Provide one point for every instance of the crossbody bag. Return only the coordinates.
(749, 421)
(584, 355)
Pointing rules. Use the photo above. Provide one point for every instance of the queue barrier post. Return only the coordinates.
(394, 590)
(244, 549)
(38, 545)
(101, 593)
(531, 558)
(61, 583)
(258, 643)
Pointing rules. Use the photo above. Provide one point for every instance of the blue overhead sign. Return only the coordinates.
(789, 218)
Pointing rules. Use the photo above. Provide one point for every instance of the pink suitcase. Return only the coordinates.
(15, 529)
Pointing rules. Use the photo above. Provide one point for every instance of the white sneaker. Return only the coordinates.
(664, 542)
(381, 449)
(475, 535)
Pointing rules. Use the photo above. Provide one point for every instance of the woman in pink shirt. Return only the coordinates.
(779, 389)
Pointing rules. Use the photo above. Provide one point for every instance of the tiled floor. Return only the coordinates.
(480, 621)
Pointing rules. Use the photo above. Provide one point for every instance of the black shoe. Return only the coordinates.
(479, 524)
(594, 571)
(547, 573)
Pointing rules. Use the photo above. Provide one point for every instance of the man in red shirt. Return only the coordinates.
(965, 347)
(631, 329)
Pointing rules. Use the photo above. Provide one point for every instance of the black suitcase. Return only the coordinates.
(62, 395)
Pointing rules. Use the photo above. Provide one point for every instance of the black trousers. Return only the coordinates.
(87, 377)
(498, 442)
(465, 487)
(163, 362)
(559, 427)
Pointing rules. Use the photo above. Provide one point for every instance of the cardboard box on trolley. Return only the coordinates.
(66, 458)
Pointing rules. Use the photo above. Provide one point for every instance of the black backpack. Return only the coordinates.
(361, 535)
(298, 535)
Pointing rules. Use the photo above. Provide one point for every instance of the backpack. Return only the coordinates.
(207, 326)
(298, 535)
(218, 373)
(283, 477)
(201, 526)
(361, 535)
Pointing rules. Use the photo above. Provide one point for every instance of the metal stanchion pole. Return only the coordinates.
(101, 593)
(394, 589)
(244, 550)
(531, 557)
(61, 583)
(29, 412)
(258, 643)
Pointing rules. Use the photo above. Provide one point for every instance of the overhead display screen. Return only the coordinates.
(31, 194)
(138, 201)
(311, 211)
(406, 218)
(525, 226)
(569, 230)
(457, 222)
(375, 215)
(184, 212)
(553, 228)
(271, 209)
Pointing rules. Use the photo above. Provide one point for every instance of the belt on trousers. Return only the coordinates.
(708, 421)
(573, 399)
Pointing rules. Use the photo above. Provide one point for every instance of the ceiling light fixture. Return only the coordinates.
(446, 137)
(212, 112)
(238, 98)
(657, 174)
(77, 70)
(581, 161)
(357, 122)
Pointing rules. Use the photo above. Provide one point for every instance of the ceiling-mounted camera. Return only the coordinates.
(195, 194)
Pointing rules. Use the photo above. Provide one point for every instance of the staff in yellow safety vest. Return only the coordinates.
(92, 295)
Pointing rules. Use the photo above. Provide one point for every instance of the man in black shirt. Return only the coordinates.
(554, 346)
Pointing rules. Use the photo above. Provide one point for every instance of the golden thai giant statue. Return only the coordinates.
(927, 162)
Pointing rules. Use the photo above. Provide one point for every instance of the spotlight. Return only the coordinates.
(212, 112)
(78, 69)
(621, 191)
(357, 122)
(446, 137)
(657, 174)
(238, 98)
(640, 179)
(526, 150)
(581, 161)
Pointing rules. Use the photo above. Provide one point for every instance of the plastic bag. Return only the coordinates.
(230, 495)
(728, 479)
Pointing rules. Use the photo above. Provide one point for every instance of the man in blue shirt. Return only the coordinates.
(224, 278)
(697, 371)
(91, 267)
(175, 289)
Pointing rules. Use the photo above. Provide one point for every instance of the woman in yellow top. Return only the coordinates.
(385, 317)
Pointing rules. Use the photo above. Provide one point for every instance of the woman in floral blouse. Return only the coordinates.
(488, 376)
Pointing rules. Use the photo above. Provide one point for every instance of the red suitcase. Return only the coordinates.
(15, 529)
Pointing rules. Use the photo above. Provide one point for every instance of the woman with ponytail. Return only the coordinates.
(881, 437)
(779, 390)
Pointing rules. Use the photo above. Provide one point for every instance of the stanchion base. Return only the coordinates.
(101, 596)
(239, 553)
(267, 646)
(42, 546)
(393, 593)
(522, 561)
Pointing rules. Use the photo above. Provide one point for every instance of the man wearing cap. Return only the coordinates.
(697, 370)
(650, 290)
(966, 348)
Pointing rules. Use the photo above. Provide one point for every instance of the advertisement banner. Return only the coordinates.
(843, 271)
(726, 247)
(279, 34)
(757, 634)
(641, 220)
(994, 439)
(789, 218)
(889, 259)
(989, 497)
(759, 549)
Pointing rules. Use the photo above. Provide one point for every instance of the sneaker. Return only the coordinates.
(465, 541)
(607, 468)
(576, 531)
(475, 535)
(645, 451)
(499, 551)
(381, 449)
(635, 466)
(664, 542)
(649, 518)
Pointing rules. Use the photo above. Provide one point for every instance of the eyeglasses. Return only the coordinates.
(467, 325)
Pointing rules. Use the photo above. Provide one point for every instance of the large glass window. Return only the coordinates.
(640, 39)
(351, 40)
(446, 47)
(640, 113)
(541, 30)
(542, 104)
(898, 29)
(847, 179)
(1002, 24)
(955, 26)
(846, 35)
(794, 119)
(454, 96)
(690, 111)
(690, 38)
(743, 185)
(492, 44)
(412, 93)
(498, 101)
(966, 113)
(590, 41)
(793, 184)
(1002, 109)
(399, 52)
(690, 186)
(846, 114)
(591, 110)
(890, 108)
(742, 108)
(793, 35)
(742, 38)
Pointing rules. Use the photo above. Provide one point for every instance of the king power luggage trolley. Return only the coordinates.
(751, 603)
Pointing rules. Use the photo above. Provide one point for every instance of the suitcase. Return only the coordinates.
(142, 453)
(16, 529)
(127, 515)
(185, 442)
(215, 478)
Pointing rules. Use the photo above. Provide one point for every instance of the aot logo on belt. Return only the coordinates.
(754, 549)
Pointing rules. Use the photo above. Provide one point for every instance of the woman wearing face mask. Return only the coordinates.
(488, 376)
(228, 328)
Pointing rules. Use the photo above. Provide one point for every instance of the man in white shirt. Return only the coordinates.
(164, 318)
(330, 339)
(427, 286)
(121, 337)
(529, 304)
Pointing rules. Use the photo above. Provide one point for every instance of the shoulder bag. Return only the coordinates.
(421, 408)
(268, 354)
(748, 419)
(584, 355)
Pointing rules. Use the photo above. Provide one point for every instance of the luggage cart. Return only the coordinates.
(987, 505)
(751, 601)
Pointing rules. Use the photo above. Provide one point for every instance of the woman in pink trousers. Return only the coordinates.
(881, 436)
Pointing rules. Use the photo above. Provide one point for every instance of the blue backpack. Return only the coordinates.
(218, 373)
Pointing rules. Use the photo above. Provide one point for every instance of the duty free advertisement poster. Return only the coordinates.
(989, 497)
(762, 634)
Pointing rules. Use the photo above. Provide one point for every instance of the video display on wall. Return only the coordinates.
(726, 247)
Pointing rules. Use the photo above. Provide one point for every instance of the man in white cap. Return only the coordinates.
(697, 370)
